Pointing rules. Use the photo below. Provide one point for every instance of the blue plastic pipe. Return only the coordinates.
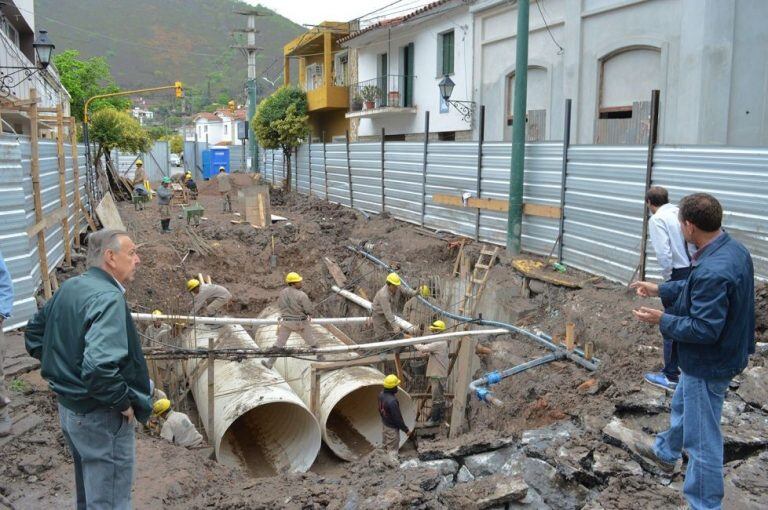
(480, 386)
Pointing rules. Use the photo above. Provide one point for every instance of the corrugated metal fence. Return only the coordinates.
(17, 214)
(603, 200)
(156, 162)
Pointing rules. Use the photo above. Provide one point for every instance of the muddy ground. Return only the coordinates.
(549, 437)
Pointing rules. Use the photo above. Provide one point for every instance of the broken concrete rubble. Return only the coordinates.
(611, 461)
(636, 442)
(489, 492)
(464, 475)
(536, 442)
(488, 463)
(754, 387)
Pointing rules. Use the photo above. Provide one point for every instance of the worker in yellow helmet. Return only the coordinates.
(383, 318)
(437, 371)
(139, 175)
(156, 333)
(391, 418)
(418, 313)
(177, 427)
(209, 298)
(224, 184)
(296, 310)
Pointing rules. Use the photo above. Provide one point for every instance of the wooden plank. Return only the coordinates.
(335, 331)
(108, 213)
(36, 195)
(88, 218)
(544, 211)
(463, 378)
(63, 183)
(75, 177)
(336, 272)
(314, 392)
(48, 221)
(570, 335)
(256, 205)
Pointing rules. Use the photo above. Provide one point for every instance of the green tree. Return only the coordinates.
(85, 78)
(112, 129)
(175, 143)
(281, 122)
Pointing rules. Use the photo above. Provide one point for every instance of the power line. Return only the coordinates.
(560, 50)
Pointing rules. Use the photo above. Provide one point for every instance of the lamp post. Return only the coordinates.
(465, 108)
(43, 51)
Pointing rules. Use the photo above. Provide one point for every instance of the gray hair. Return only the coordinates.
(101, 241)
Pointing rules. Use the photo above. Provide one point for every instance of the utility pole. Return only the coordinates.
(250, 50)
(515, 214)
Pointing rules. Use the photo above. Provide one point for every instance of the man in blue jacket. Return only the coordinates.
(6, 304)
(90, 354)
(711, 320)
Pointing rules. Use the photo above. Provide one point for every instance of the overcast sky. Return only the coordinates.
(315, 11)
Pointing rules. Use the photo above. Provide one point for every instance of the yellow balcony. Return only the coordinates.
(328, 98)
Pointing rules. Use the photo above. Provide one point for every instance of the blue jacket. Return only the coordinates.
(712, 319)
(88, 347)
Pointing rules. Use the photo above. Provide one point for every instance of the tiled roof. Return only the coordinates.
(392, 22)
(207, 116)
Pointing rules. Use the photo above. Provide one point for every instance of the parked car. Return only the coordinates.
(175, 160)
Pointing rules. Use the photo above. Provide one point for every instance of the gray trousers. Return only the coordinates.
(103, 446)
(390, 439)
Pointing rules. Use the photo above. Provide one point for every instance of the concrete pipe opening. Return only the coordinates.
(347, 397)
(260, 424)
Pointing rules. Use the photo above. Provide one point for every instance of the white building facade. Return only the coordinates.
(17, 34)
(709, 59)
(399, 65)
(218, 128)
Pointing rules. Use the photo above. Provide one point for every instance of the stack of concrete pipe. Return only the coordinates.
(262, 417)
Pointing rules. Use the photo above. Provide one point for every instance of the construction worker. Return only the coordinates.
(437, 372)
(384, 323)
(140, 175)
(419, 314)
(209, 298)
(391, 419)
(225, 189)
(295, 313)
(156, 333)
(177, 427)
(164, 195)
(190, 184)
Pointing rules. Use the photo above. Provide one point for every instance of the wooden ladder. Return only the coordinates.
(477, 282)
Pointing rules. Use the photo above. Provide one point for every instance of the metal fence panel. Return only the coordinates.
(451, 170)
(338, 173)
(403, 165)
(365, 160)
(318, 170)
(301, 169)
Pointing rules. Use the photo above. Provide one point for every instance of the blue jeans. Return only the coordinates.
(671, 369)
(102, 443)
(695, 427)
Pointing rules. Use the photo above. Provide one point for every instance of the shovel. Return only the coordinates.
(273, 257)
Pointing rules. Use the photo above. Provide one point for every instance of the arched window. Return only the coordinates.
(627, 77)
(537, 104)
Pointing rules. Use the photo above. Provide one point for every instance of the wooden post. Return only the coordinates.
(463, 378)
(34, 165)
(63, 184)
(570, 335)
(480, 141)
(76, 178)
(589, 350)
(211, 422)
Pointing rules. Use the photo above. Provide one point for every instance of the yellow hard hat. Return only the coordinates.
(437, 326)
(391, 381)
(161, 406)
(139, 162)
(424, 291)
(157, 312)
(393, 279)
(192, 284)
(188, 175)
(293, 278)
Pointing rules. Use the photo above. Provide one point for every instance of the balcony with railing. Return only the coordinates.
(383, 95)
(322, 95)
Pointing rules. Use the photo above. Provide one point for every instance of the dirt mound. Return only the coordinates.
(761, 312)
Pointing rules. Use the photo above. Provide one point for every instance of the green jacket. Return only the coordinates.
(88, 347)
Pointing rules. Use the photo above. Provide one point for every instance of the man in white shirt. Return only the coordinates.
(673, 256)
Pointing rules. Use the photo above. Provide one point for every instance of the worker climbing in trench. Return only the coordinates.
(296, 311)
(437, 372)
(164, 195)
(384, 320)
(391, 418)
(209, 299)
(156, 333)
(419, 314)
(177, 428)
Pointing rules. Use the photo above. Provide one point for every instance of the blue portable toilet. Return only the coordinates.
(213, 159)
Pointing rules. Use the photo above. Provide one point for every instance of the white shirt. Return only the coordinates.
(179, 429)
(667, 240)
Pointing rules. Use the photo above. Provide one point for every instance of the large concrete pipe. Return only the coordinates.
(260, 424)
(347, 398)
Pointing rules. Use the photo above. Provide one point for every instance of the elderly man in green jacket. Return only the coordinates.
(91, 356)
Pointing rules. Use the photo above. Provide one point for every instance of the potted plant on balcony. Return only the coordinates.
(370, 94)
(357, 102)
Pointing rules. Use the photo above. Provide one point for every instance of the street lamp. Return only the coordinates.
(465, 108)
(43, 50)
